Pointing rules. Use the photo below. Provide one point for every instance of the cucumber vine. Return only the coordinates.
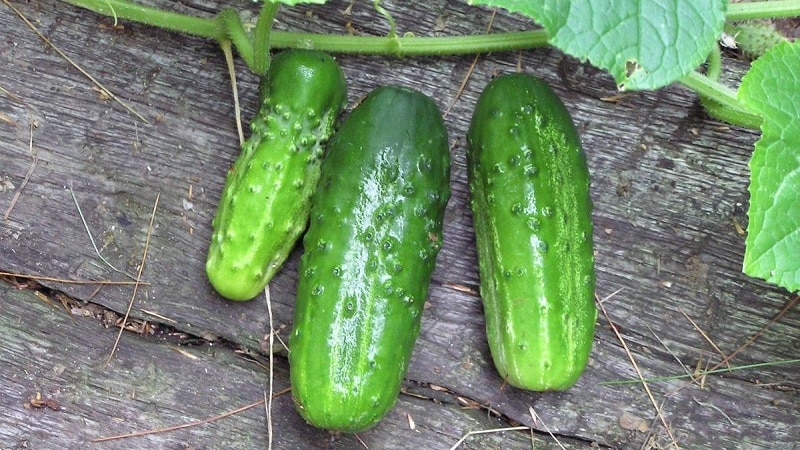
(719, 100)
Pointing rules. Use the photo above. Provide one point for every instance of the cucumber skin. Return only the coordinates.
(370, 250)
(264, 205)
(529, 188)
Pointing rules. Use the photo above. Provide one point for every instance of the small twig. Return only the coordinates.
(138, 278)
(190, 424)
(638, 371)
(91, 239)
(471, 69)
(24, 183)
(75, 65)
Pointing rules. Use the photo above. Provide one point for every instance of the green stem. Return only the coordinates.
(365, 45)
(762, 10)
(412, 45)
(720, 101)
(234, 30)
(388, 16)
(123, 9)
(711, 89)
(714, 64)
(261, 37)
(734, 115)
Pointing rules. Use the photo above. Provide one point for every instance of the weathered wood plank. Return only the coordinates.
(668, 184)
(150, 385)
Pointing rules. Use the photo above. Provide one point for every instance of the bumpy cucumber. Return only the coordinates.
(265, 203)
(369, 252)
(529, 187)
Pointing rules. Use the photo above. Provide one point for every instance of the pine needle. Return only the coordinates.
(136, 285)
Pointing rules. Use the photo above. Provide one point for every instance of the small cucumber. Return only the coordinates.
(529, 188)
(265, 203)
(369, 252)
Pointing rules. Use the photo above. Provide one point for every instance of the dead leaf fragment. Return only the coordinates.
(39, 402)
(631, 422)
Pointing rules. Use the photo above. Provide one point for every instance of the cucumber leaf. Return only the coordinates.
(644, 44)
(772, 87)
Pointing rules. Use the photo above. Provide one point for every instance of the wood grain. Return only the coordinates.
(668, 185)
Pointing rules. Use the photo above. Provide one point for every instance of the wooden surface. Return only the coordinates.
(669, 187)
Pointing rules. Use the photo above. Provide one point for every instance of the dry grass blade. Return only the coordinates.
(361, 441)
(136, 285)
(47, 41)
(758, 334)
(226, 49)
(268, 398)
(471, 69)
(702, 373)
(492, 430)
(460, 288)
(11, 95)
(91, 238)
(669, 350)
(184, 352)
(715, 408)
(24, 183)
(67, 281)
(537, 419)
(189, 424)
(638, 371)
(159, 316)
(705, 336)
(5, 118)
(412, 425)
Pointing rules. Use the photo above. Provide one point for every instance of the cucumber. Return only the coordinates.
(369, 252)
(529, 193)
(264, 206)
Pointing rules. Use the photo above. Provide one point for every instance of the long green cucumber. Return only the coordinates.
(369, 252)
(529, 187)
(264, 206)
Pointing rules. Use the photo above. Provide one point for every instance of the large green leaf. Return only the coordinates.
(644, 44)
(772, 87)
